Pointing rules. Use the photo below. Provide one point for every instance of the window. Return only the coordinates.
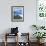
(41, 8)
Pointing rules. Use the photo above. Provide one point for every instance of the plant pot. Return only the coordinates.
(40, 41)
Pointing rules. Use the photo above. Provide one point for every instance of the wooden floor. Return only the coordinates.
(13, 44)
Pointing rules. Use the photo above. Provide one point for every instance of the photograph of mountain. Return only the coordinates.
(17, 13)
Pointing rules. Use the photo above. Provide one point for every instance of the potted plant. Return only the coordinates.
(42, 27)
(39, 35)
(38, 27)
(35, 26)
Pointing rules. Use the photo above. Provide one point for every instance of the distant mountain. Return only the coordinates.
(17, 17)
(17, 12)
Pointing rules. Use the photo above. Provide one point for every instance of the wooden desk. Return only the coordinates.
(17, 43)
(8, 34)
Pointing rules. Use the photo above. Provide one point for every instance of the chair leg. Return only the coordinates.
(17, 40)
(5, 43)
(5, 40)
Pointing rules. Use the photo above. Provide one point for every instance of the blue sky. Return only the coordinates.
(18, 11)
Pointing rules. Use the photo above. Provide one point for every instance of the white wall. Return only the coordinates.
(29, 15)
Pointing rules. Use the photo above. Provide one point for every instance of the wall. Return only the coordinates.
(29, 15)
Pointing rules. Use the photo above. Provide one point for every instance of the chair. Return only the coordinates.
(14, 32)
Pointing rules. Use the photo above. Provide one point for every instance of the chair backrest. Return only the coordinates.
(14, 30)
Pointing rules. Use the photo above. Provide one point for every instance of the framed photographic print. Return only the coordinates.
(17, 13)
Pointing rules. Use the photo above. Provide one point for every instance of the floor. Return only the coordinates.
(13, 44)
